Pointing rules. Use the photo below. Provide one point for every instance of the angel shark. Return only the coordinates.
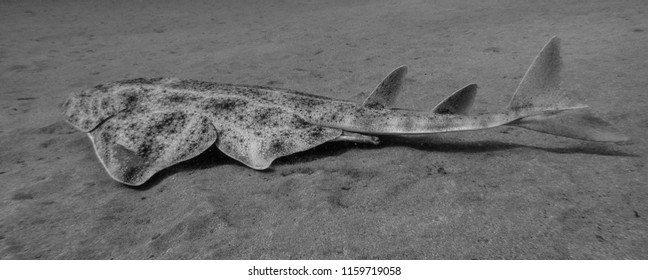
(141, 126)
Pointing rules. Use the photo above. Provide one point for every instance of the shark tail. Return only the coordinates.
(546, 108)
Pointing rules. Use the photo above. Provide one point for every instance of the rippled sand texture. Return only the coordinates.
(504, 193)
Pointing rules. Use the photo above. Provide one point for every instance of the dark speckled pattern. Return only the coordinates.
(504, 193)
(141, 126)
(134, 147)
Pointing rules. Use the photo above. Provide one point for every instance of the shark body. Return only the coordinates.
(139, 127)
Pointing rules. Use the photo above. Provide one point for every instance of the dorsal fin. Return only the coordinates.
(386, 92)
(457, 103)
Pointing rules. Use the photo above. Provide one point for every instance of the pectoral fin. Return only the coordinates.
(134, 147)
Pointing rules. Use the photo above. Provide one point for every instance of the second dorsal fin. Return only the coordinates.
(457, 103)
(385, 94)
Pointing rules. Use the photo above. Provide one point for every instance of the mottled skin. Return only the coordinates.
(254, 125)
(141, 126)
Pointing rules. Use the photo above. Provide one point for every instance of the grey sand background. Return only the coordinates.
(502, 193)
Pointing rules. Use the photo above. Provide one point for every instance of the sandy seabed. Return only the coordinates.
(504, 193)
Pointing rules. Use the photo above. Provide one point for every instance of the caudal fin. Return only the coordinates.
(540, 89)
(549, 109)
